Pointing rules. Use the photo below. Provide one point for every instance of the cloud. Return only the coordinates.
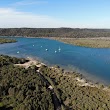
(8, 11)
(29, 2)
(10, 18)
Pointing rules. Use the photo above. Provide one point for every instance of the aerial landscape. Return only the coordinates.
(54, 55)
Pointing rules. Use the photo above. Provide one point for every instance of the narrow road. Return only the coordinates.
(57, 104)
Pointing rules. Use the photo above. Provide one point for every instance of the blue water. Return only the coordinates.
(93, 63)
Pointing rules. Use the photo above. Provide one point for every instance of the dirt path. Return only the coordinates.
(31, 62)
(57, 104)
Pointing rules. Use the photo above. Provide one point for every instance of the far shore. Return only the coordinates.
(99, 42)
(93, 42)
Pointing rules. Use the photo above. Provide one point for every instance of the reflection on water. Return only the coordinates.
(95, 62)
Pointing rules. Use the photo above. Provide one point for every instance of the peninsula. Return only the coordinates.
(4, 40)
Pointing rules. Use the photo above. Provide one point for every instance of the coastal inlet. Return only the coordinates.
(93, 63)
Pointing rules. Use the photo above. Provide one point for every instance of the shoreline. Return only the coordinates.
(80, 79)
(93, 42)
(33, 61)
(98, 42)
(4, 40)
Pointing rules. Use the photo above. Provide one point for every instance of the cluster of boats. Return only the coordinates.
(59, 49)
(55, 50)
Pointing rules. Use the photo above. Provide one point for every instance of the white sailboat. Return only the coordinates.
(46, 49)
(17, 51)
(55, 51)
(59, 49)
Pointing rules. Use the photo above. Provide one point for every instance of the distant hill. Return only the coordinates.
(55, 32)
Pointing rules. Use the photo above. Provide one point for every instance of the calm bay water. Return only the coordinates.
(92, 63)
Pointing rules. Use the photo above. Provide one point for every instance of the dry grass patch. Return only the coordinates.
(87, 42)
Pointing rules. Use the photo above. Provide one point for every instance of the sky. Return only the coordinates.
(55, 13)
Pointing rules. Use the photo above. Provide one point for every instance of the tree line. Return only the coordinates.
(55, 32)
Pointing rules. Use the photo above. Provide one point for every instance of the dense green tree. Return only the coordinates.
(25, 89)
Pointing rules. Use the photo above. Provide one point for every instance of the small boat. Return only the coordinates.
(33, 45)
(46, 49)
(59, 49)
(40, 46)
(55, 51)
(17, 51)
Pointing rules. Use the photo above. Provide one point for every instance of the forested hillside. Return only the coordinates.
(28, 89)
(55, 32)
(22, 89)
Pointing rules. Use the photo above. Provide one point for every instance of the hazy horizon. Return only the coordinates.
(51, 28)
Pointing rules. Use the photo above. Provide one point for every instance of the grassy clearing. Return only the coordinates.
(3, 40)
(87, 42)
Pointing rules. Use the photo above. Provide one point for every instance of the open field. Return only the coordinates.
(87, 42)
(3, 40)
